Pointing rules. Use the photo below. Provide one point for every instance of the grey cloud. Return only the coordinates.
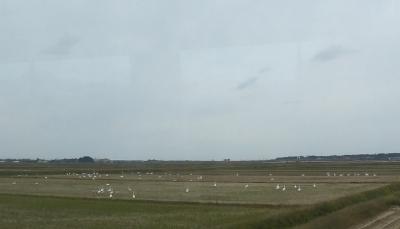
(293, 102)
(251, 81)
(263, 70)
(332, 53)
(247, 83)
(63, 46)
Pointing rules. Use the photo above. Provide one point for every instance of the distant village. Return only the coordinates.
(353, 157)
(88, 159)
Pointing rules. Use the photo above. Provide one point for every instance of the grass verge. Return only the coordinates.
(379, 198)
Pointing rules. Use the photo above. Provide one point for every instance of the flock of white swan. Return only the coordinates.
(108, 191)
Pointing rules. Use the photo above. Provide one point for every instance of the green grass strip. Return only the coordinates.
(304, 215)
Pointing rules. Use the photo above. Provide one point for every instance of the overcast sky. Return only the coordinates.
(198, 79)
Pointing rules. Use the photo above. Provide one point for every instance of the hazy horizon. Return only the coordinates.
(198, 80)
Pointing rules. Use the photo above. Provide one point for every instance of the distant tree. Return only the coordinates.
(86, 159)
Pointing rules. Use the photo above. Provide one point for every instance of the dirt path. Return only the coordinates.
(387, 220)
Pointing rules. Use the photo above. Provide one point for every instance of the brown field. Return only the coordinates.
(248, 189)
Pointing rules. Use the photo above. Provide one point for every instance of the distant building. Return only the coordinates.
(227, 160)
(41, 161)
(103, 160)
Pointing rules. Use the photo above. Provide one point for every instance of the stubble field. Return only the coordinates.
(199, 196)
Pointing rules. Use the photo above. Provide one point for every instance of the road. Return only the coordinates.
(387, 220)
